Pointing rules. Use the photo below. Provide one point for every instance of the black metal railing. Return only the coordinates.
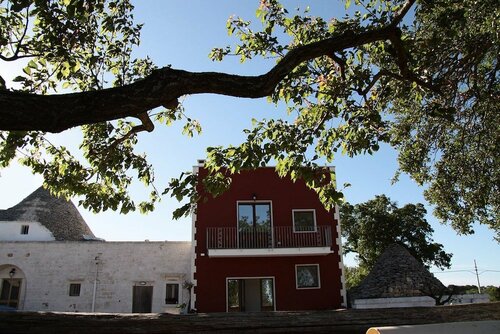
(262, 237)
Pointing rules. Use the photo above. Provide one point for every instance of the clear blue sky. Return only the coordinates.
(182, 33)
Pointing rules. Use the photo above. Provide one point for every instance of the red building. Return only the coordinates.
(266, 244)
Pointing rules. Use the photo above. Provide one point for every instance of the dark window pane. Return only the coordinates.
(233, 295)
(25, 229)
(172, 296)
(245, 216)
(303, 221)
(263, 216)
(74, 289)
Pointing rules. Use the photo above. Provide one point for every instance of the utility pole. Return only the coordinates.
(477, 276)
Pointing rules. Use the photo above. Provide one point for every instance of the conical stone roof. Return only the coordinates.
(58, 215)
(396, 274)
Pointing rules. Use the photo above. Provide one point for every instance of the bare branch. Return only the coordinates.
(24, 32)
(402, 12)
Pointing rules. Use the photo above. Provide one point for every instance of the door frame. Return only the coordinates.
(250, 201)
(249, 278)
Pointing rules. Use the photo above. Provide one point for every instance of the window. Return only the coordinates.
(256, 216)
(254, 225)
(304, 220)
(307, 276)
(74, 289)
(172, 294)
(25, 229)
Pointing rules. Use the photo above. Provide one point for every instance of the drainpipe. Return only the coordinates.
(96, 259)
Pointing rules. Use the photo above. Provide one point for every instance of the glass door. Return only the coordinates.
(250, 294)
(254, 225)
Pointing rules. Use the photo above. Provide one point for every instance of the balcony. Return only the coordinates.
(278, 241)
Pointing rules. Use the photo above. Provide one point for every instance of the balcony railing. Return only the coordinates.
(261, 237)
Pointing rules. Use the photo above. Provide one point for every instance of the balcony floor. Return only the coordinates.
(262, 252)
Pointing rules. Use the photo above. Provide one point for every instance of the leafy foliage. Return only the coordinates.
(430, 92)
(354, 276)
(426, 88)
(369, 228)
(82, 46)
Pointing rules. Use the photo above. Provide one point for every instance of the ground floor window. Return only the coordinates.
(172, 294)
(250, 294)
(307, 276)
(74, 289)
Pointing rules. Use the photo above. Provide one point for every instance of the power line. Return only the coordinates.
(464, 270)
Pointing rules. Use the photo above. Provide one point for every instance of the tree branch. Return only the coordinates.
(372, 83)
(55, 113)
(146, 125)
(402, 12)
(402, 62)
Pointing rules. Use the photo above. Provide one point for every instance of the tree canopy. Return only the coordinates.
(369, 228)
(422, 76)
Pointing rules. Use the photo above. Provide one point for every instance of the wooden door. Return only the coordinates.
(142, 299)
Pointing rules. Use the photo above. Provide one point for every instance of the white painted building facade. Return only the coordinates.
(86, 276)
(24, 231)
(51, 261)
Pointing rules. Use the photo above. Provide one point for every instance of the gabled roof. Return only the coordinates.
(58, 215)
(396, 274)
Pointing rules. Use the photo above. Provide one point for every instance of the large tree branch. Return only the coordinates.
(55, 113)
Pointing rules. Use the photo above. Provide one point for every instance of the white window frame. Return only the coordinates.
(297, 278)
(314, 219)
(179, 293)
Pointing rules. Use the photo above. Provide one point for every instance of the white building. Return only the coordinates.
(51, 261)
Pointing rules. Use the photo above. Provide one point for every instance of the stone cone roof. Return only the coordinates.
(396, 274)
(58, 215)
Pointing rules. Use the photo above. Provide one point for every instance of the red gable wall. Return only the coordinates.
(211, 273)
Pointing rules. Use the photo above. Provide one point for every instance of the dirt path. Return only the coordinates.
(336, 321)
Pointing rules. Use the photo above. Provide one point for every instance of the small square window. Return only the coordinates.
(304, 220)
(25, 229)
(307, 276)
(74, 289)
(172, 295)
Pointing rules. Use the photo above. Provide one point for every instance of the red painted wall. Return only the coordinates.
(211, 273)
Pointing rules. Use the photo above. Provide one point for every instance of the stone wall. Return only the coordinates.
(48, 268)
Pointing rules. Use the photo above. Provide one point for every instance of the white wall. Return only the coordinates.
(11, 231)
(371, 303)
(49, 267)
(420, 301)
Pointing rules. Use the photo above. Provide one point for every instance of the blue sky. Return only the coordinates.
(181, 34)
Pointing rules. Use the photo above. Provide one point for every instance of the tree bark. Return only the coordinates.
(55, 113)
